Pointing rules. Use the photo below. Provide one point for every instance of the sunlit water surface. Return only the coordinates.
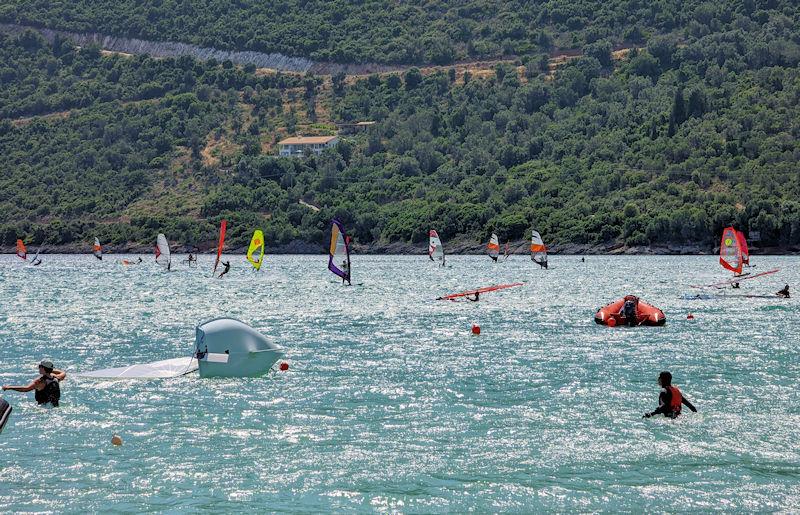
(390, 404)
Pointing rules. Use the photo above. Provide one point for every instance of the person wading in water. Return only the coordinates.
(46, 386)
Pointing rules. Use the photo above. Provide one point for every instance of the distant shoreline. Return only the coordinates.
(455, 248)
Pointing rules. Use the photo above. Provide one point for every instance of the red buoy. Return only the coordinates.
(612, 322)
(284, 367)
(690, 317)
(476, 329)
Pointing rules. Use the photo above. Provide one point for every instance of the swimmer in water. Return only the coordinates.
(670, 399)
(784, 292)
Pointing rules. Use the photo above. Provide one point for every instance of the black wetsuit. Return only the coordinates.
(629, 312)
(665, 404)
(50, 393)
(227, 265)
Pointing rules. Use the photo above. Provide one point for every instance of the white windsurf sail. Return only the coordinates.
(160, 369)
(493, 248)
(97, 250)
(538, 249)
(163, 256)
(435, 248)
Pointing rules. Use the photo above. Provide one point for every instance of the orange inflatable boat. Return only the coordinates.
(629, 310)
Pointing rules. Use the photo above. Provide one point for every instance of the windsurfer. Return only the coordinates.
(47, 389)
(36, 262)
(227, 265)
(670, 398)
(784, 292)
(346, 270)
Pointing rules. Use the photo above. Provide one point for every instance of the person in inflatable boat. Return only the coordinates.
(630, 310)
(670, 399)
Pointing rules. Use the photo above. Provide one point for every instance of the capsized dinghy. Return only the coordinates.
(224, 347)
(227, 347)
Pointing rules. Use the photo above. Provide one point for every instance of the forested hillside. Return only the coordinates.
(435, 31)
(668, 144)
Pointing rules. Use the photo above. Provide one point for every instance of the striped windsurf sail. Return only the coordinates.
(255, 253)
(743, 245)
(97, 250)
(223, 226)
(493, 247)
(730, 251)
(163, 256)
(339, 251)
(538, 249)
(22, 252)
(435, 248)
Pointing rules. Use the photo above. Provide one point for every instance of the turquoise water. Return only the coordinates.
(390, 403)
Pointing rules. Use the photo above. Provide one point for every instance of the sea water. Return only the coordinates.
(390, 404)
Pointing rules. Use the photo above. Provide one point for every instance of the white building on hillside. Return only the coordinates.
(298, 145)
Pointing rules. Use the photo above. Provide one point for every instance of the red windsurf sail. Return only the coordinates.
(743, 245)
(485, 289)
(730, 251)
(222, 227)
(22, 252)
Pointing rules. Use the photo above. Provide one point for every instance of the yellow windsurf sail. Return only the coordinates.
(256, 247)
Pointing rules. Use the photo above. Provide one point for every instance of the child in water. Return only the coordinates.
(670, 399)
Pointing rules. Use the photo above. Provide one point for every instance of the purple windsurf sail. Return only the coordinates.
(339, 252)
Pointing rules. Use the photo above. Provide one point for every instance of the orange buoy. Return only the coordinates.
(284, 367)
(612, 322)
(116, 440)
(476, 329)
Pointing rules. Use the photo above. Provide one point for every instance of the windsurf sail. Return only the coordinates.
(730, 251)
(485, 289)
(22, 252)
(743, 245)
(97, 250)
(36, 261)
(256, 247)
(222, 228)
(493, 247)
(734, 280)
(538, 249)
(339, 251)
(160, 369)
(163, 256)
(435, 248)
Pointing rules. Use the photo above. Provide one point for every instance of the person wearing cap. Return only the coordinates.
(46, 388)
(670, 399)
